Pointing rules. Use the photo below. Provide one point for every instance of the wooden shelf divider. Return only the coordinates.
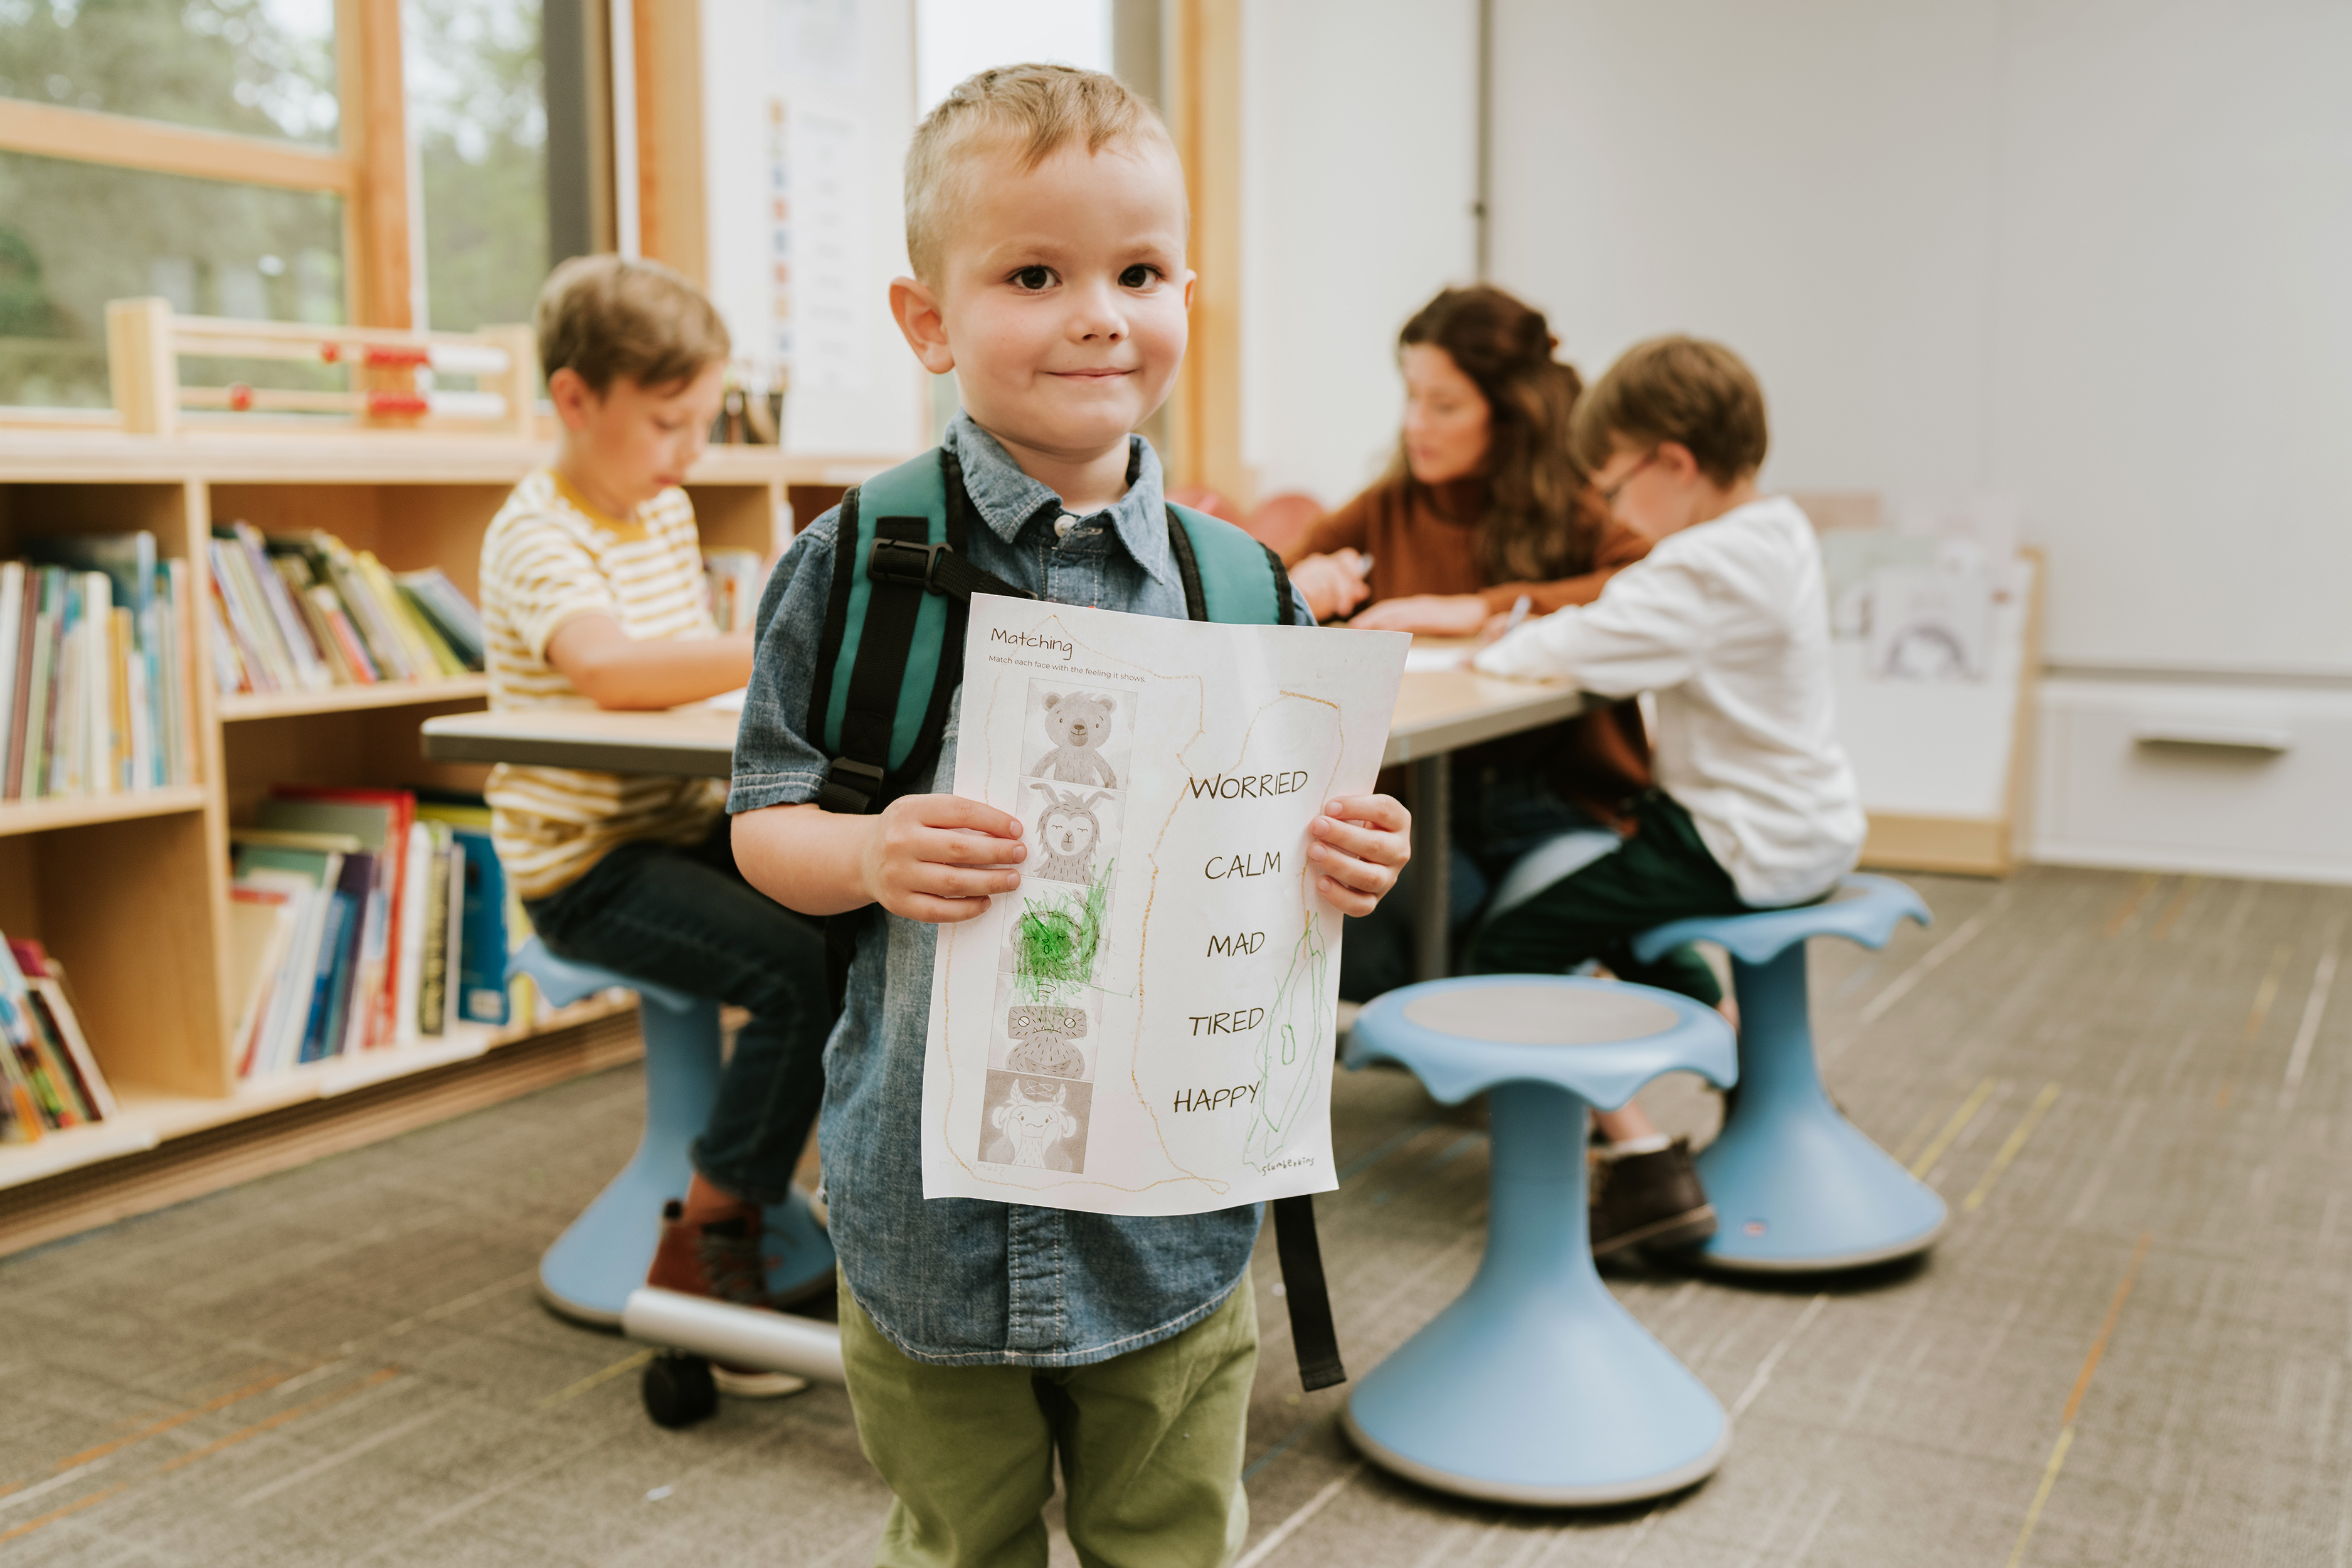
(349, 698)
(81, 810)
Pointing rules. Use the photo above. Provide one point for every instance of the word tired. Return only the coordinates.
(1203, 1099)
(1240, 1021)
(1248, 786)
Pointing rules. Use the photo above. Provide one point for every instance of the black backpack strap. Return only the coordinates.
(1313, 1335)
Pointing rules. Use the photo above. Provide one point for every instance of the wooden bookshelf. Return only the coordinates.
(131, 891)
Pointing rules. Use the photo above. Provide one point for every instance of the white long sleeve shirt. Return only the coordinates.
(1728, 624)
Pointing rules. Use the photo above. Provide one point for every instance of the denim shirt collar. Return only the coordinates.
(1008, 499)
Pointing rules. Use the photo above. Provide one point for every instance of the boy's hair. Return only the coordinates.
(1036, 108)
(605, 316)
(1698, 394)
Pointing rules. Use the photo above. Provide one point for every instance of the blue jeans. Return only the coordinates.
(686, 917)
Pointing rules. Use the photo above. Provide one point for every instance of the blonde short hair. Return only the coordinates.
(1679, 389)
(605, 316)
(1037, 108)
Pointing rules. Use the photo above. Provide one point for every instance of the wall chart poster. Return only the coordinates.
(1146, 1025)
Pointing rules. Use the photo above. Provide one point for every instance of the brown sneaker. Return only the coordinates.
(1649, 1200)
(718, 1256)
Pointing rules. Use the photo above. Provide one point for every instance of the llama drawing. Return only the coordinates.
(1078, 721)
(1029, 1130)
(1067, 832)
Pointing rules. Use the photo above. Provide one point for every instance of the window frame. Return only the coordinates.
(369, 169)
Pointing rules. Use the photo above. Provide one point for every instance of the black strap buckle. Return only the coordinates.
(853, 797)
(905, 560)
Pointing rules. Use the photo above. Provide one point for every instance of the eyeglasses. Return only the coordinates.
(1609, 496)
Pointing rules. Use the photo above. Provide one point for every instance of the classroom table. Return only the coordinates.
(1438, 713)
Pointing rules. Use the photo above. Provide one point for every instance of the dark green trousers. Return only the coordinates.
(1662, 873)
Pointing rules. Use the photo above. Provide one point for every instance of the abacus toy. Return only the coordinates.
(145, 339)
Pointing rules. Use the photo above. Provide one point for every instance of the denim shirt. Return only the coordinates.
(965, 1281)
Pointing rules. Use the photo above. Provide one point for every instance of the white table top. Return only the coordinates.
(1436, 712)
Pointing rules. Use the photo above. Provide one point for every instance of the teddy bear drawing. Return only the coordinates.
(1078, 721)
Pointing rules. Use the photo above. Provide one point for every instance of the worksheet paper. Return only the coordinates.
(1145, 1026)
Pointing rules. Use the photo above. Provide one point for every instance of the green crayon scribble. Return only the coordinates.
(1055, 941)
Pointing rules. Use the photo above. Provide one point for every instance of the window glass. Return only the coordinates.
(261, 68)
(477, 111)
(74, 236)
(953, 38)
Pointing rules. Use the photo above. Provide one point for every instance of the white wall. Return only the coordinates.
(845, 71)
(2090, 253)
(1358, 173)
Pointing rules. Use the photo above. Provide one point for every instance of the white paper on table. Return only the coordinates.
(1147, 1025)
(1437, 658)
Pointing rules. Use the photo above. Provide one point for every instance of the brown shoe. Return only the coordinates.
(718, 1256)
(1649, 1200)
(715, 1255)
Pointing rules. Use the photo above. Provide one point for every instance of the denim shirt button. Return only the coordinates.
(1064, 523)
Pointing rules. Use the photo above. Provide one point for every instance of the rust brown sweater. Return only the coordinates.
(1425, 539)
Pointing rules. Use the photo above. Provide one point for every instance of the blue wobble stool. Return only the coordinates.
(603, 1255)
(1797, 1188)
(1534, 1386)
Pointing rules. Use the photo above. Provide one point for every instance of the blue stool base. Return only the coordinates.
(1558, 1410)
(1536, 1386)
(604, 1254)
(1809, 1191)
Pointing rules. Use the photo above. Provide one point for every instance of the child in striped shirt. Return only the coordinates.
(593, 597)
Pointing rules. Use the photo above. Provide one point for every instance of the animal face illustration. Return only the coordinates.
(1044, 1033)
(1033, 1126)
(1067, 831)
(1078, 721)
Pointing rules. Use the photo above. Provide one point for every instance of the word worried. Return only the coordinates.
(1221, 867)
(1247, 786)
(1239, 1022)
(1029, 639)
(1216, 1099)
(1236, 945)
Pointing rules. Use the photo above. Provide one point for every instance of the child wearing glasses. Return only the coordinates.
(1724, 623)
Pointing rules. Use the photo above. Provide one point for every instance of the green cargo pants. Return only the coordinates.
(1151, 1444)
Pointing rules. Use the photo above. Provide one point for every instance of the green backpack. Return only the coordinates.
(891, 653)
(891, 658)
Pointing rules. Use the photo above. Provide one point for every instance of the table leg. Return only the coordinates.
(1433, 845)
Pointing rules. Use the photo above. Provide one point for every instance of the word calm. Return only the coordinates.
(1221, 867)
(1216, 1099)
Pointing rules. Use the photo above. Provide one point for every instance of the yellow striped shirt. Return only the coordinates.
(549, 557)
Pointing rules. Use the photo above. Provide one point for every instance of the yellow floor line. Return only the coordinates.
(2074, 1400)
(1954, 1128)
(2172, 911)
(625, 1364)
(2263, 996)
(2132, 903)
(2024, 1129)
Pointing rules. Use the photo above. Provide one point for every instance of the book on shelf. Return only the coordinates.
(93, 679)
(734, 579)
(351, 925)
(307, 613)
(49, 1080)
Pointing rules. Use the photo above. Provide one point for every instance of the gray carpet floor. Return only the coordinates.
(2130, 1346)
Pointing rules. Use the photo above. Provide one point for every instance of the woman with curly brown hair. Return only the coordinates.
(1485, 505)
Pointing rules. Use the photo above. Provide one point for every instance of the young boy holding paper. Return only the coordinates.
(1047, 225)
